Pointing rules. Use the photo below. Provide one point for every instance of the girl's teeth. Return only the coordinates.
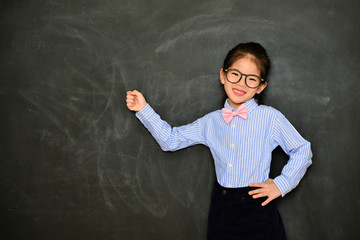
(241, 92)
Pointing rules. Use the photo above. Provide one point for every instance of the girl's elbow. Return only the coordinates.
(167, 148)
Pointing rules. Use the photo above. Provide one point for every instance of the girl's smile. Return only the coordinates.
(238, 92)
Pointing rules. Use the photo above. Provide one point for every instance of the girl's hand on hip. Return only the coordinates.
(266, 189)
(135, 101)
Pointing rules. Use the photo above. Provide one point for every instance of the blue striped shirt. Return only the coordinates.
(242, 149)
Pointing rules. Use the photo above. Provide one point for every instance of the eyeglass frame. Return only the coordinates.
(241, 75)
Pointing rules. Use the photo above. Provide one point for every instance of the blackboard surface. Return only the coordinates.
(76, 164)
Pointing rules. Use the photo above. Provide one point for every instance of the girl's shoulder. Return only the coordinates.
(268, 110)
(215, 115)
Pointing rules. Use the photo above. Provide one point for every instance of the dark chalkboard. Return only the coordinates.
(76, 164)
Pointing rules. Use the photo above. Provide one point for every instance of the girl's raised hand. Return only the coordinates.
(266, 189)
(135, 101)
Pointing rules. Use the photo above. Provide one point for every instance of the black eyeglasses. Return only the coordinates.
(234, 76)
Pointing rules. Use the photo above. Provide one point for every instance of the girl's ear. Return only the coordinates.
(222, 76)
(261, 87)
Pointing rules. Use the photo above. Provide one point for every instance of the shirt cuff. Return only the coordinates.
(144, 114)
(283, 184)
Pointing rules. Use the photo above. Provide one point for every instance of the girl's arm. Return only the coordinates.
(169, 138)
(299, 152)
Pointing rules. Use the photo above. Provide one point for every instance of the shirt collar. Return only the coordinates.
(250, 105)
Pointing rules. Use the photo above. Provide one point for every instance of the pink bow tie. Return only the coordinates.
(228, 114)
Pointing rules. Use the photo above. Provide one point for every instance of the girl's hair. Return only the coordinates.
(256, 52)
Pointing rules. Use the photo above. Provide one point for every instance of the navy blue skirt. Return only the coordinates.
(234, 214)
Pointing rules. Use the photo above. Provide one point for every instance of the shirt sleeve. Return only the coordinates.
(298, 150)
(171, 138)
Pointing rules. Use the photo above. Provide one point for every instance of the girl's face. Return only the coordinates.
(239, 93)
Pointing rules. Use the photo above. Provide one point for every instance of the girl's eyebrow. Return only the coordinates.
(244, 73)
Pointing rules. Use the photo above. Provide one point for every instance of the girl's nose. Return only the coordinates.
(242, 81)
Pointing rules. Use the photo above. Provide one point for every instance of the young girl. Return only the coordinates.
(241, 138)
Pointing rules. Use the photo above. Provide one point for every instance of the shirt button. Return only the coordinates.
(229, 186)
(234, 126)
(230, 165)
(232, 145)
